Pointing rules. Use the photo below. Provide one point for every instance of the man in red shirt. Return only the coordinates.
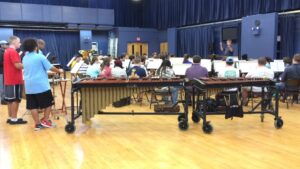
(13, 80)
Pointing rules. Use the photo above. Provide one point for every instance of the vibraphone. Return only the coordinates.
(203, 88)
(96, 95)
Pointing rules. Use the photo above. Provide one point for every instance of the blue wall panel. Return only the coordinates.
(263, 45)
(129, 35)
(32, 12)
(5, 33)
(52, 13)
(6, 13)
(71, 15)
(106, 17)
(163, 36)
(85, 39)
(88, 16)
(101, 37)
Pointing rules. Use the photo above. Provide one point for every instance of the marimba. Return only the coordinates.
(96, 95)
(203, 88)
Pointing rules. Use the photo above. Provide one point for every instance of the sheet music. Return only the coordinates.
(77, 67)
(125, 63)
(70, 62)
(154, 63)
(277, 66)
(247, 66)
(176, 61)
(235, 58)
(47, 55)
(180, 69)
(206, 63)
(219, 65)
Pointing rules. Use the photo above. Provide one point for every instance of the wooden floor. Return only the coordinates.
(153, 142)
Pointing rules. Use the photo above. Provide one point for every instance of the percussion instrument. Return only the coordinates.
(96, 95)
(203, 88)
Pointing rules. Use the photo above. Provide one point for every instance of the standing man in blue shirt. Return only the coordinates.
(37, 87)
(228, 50)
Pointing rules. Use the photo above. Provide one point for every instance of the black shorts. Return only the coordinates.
(13, 93)
(39, 101)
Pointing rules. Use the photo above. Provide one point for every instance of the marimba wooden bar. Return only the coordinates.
(96, 95)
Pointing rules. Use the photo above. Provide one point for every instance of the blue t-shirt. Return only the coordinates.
(136, 70)
(35, 73)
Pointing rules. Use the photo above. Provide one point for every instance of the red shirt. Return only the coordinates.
(12, 75)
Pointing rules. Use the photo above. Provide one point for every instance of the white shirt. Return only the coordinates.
(260, 72)
(118, 72)
(229, 72)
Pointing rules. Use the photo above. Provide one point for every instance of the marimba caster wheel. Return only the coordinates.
(70, 128)
(183, 125)
(195, 118)
(207, 128)
(278, 123)
(181, 117)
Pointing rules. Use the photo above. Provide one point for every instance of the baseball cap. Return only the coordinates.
(229, 60)
(3, 42)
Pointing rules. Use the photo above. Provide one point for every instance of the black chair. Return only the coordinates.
(159, 92)
(291, 91)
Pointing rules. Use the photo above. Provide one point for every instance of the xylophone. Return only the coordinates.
(96, 95)
(203, 88)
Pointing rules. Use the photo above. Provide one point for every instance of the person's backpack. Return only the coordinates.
(122, 102)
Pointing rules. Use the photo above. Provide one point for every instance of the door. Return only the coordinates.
(164, 47)
(137, 49)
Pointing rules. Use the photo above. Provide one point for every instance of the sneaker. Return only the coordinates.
(3, 102)
(19, 121)
(38, 127)
(8, 120)
(46, 123)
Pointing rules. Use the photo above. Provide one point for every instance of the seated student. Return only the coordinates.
(229, 71)
(165, 71)
(37, 87)
(130, 64)
(118, 71)
(260, 72)
(143, 64)
(122, 57)
(186, 59)
(269, 60)
(196, 70)
(291, 72)
(287, 61)
(137, 71)
(93, 69)
(105, 68)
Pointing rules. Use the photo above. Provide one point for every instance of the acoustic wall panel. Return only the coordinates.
(52, 13)
(106, 17)
(32, 12)
(10, 11)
